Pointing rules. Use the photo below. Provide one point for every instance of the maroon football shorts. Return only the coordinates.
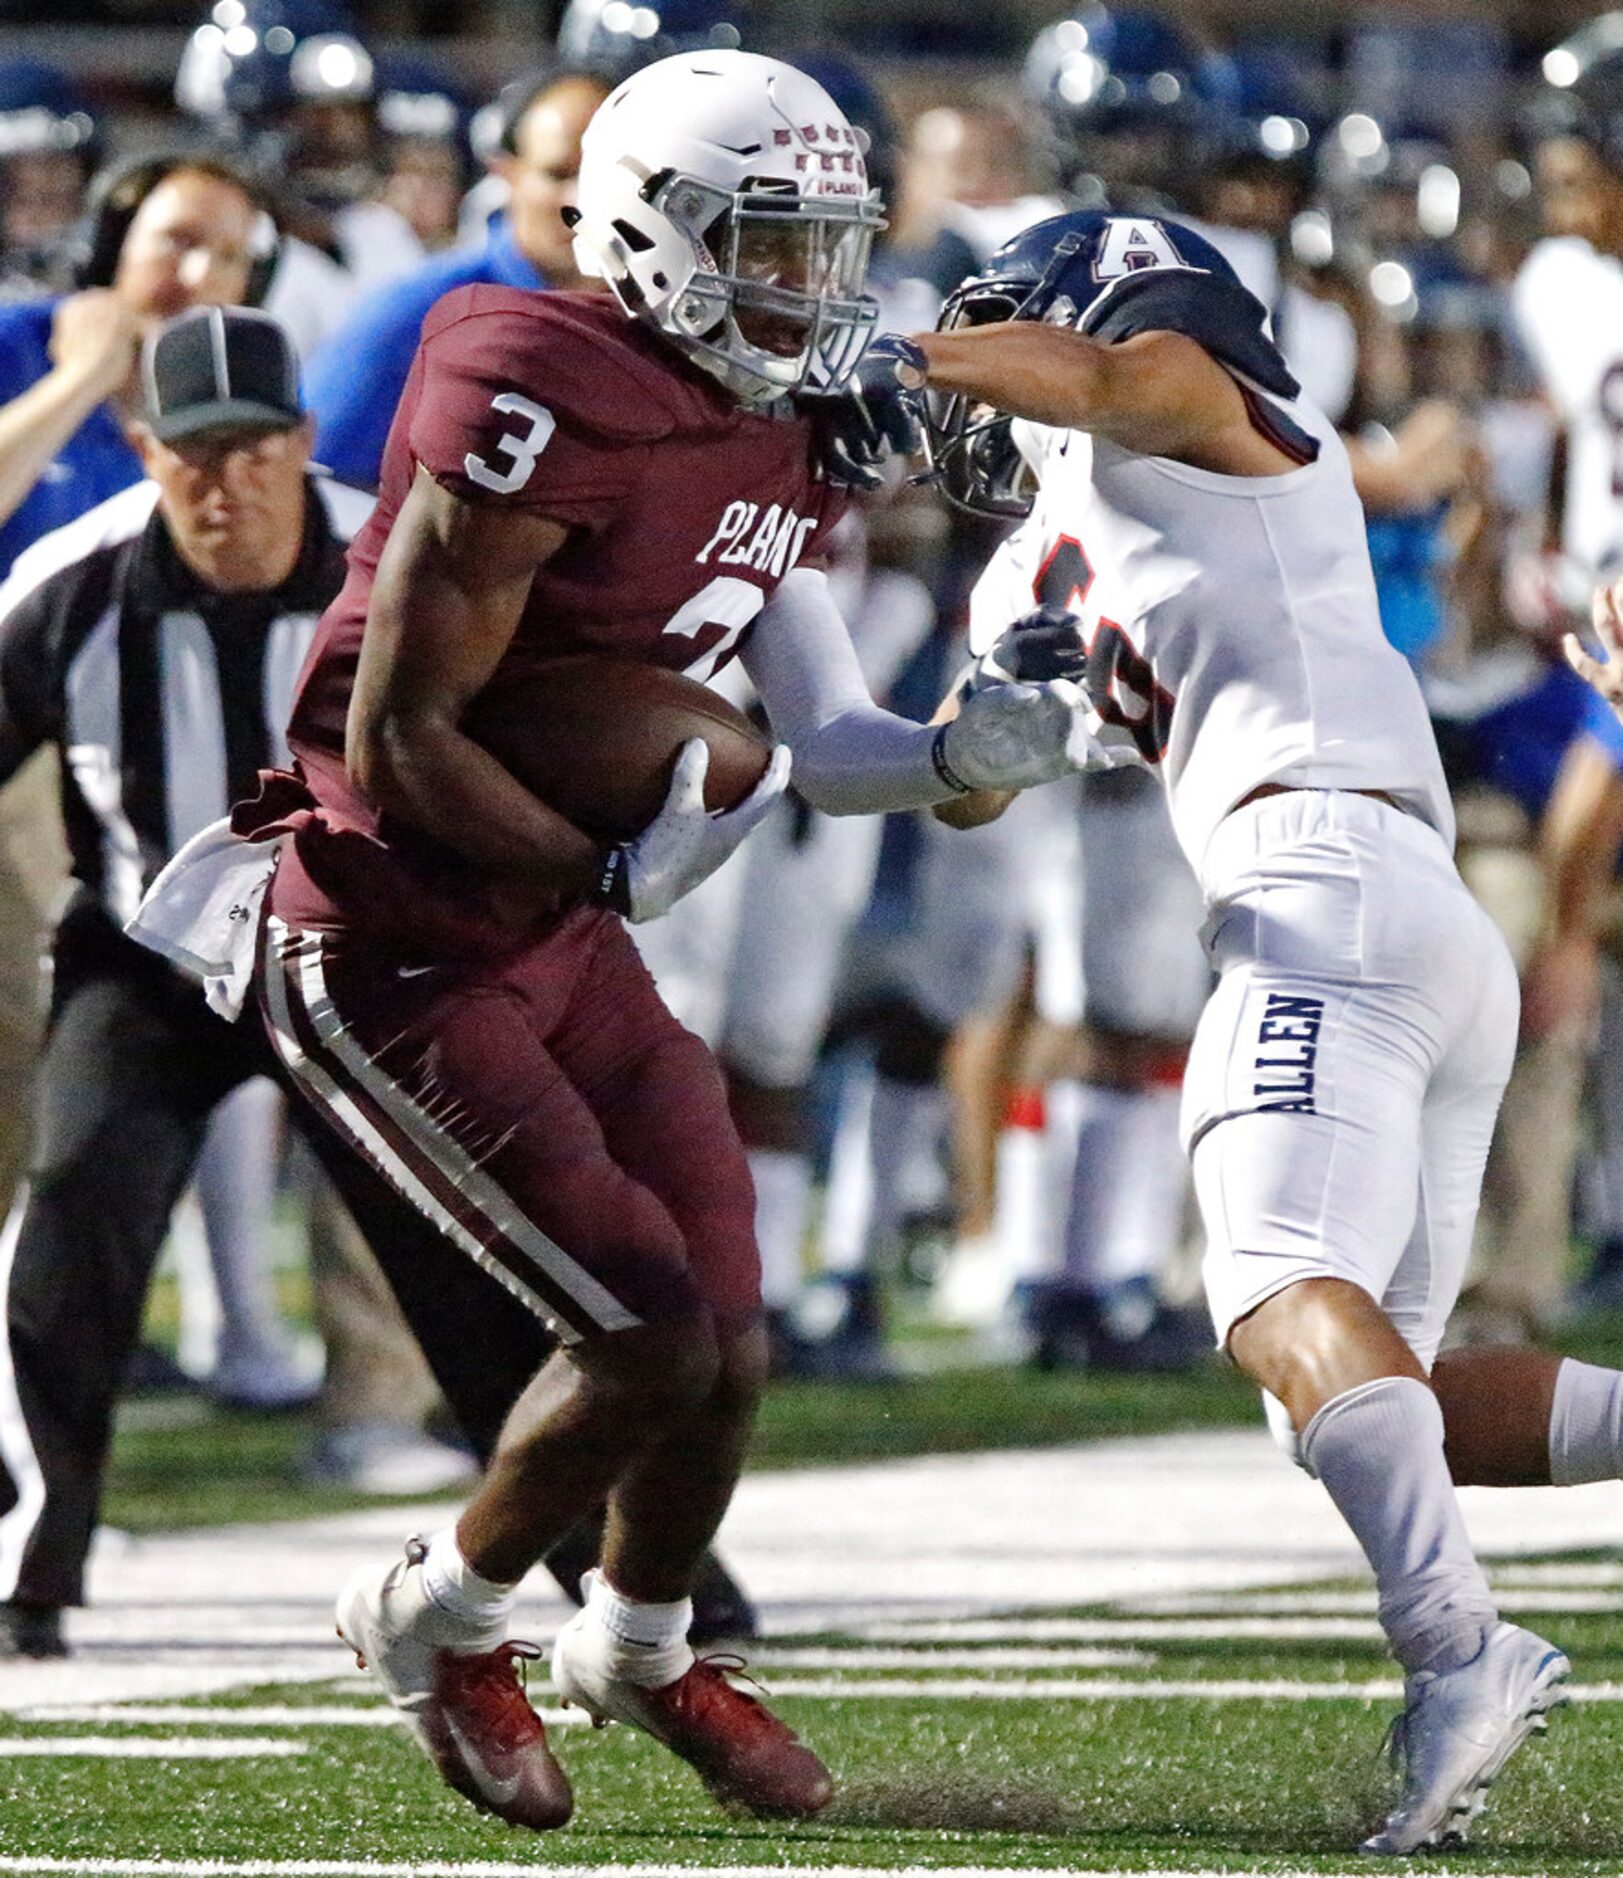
(545, 1110)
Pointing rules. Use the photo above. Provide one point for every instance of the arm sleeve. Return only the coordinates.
(850, 757)
(511, 411)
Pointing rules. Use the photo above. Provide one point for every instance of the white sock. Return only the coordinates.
(642, 1643)
(452, 1584)
(1128, 1194)
(1379, 1451)
(782, 1202)
(1586, 1424)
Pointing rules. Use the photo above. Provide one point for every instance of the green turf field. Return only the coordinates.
(998, 1761)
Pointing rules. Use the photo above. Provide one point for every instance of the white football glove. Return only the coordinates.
(685, 843)
(1016, 736)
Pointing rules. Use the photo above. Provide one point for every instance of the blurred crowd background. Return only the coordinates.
(955, 1059)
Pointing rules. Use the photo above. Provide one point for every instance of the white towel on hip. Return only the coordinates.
(202, 912)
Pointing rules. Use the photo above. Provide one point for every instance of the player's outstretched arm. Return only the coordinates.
(851, 757)
(1159, 394)
(1604, 674)
(450, 587)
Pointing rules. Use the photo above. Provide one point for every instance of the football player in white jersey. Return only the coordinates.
(1345, 1076)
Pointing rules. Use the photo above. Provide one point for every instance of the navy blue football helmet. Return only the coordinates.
(1111, 277)
(252, 59)
(41, 110)
(1582, 94)
(1127, 97)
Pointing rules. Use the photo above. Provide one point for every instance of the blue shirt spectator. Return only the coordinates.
(354, 380)
(96, 461)
(1600, 722)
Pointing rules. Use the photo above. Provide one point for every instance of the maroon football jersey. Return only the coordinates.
(685, 509)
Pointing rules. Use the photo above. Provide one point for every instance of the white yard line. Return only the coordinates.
(769, 1658)
(1362, 1603)
(1091, 1689)
(1180, 1518)
(266, 1715)
(1039, 1630)
(147, 1748)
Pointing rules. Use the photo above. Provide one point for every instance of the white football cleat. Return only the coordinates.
(1459, 1727)
(460, 1692)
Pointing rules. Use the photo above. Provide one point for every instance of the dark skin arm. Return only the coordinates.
(1159, 394)
(450, 588)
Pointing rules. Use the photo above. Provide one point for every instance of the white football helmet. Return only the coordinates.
(725, 199)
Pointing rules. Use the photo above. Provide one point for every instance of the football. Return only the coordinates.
(596, 739)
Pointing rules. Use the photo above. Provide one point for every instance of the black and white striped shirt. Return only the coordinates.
(164, 696)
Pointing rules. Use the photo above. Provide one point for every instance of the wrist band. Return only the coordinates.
(938, 757)
(613, 885)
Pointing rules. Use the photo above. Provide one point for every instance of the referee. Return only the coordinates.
(156, 642)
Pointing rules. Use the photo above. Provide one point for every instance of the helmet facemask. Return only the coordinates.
(969, 445)
(774, 303)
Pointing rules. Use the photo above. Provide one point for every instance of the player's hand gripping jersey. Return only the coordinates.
(685, 508)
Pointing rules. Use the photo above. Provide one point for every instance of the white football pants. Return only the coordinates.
(1346, 1073)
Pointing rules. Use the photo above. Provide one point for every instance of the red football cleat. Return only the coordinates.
(467, 1707)
(489, 1743)
(737, 1746)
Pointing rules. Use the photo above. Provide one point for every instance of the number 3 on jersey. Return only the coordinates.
(1121, 681)
(522, 446)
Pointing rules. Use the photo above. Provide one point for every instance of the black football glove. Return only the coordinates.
(873, 418)
(1041, 645)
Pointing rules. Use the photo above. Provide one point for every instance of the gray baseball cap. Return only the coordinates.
(220, 368)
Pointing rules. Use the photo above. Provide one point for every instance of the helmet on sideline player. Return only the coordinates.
(619, 37)
(1582, 93)
(289, 82)
(1111, 277)
(1129, 101)
(725, 199)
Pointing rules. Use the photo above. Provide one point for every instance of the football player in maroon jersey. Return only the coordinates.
(442, 964)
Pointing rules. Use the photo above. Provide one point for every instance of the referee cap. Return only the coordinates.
(220, 368)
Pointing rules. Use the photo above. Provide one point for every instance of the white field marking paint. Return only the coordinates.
(146, 1748)
(1122, 1630)
(816, 1657)
(482, 1868)
(330, 1715)
(1118, 1689)
(1360, 1603)
(1577, 1573)
(1090, 1689)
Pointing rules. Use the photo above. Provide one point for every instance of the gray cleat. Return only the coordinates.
(1459, 1727)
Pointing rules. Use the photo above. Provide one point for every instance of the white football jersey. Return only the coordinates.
(1569, 309)
(1232, 620)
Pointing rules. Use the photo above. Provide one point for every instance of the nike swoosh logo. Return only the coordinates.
(412, 971)
(501, 1791)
